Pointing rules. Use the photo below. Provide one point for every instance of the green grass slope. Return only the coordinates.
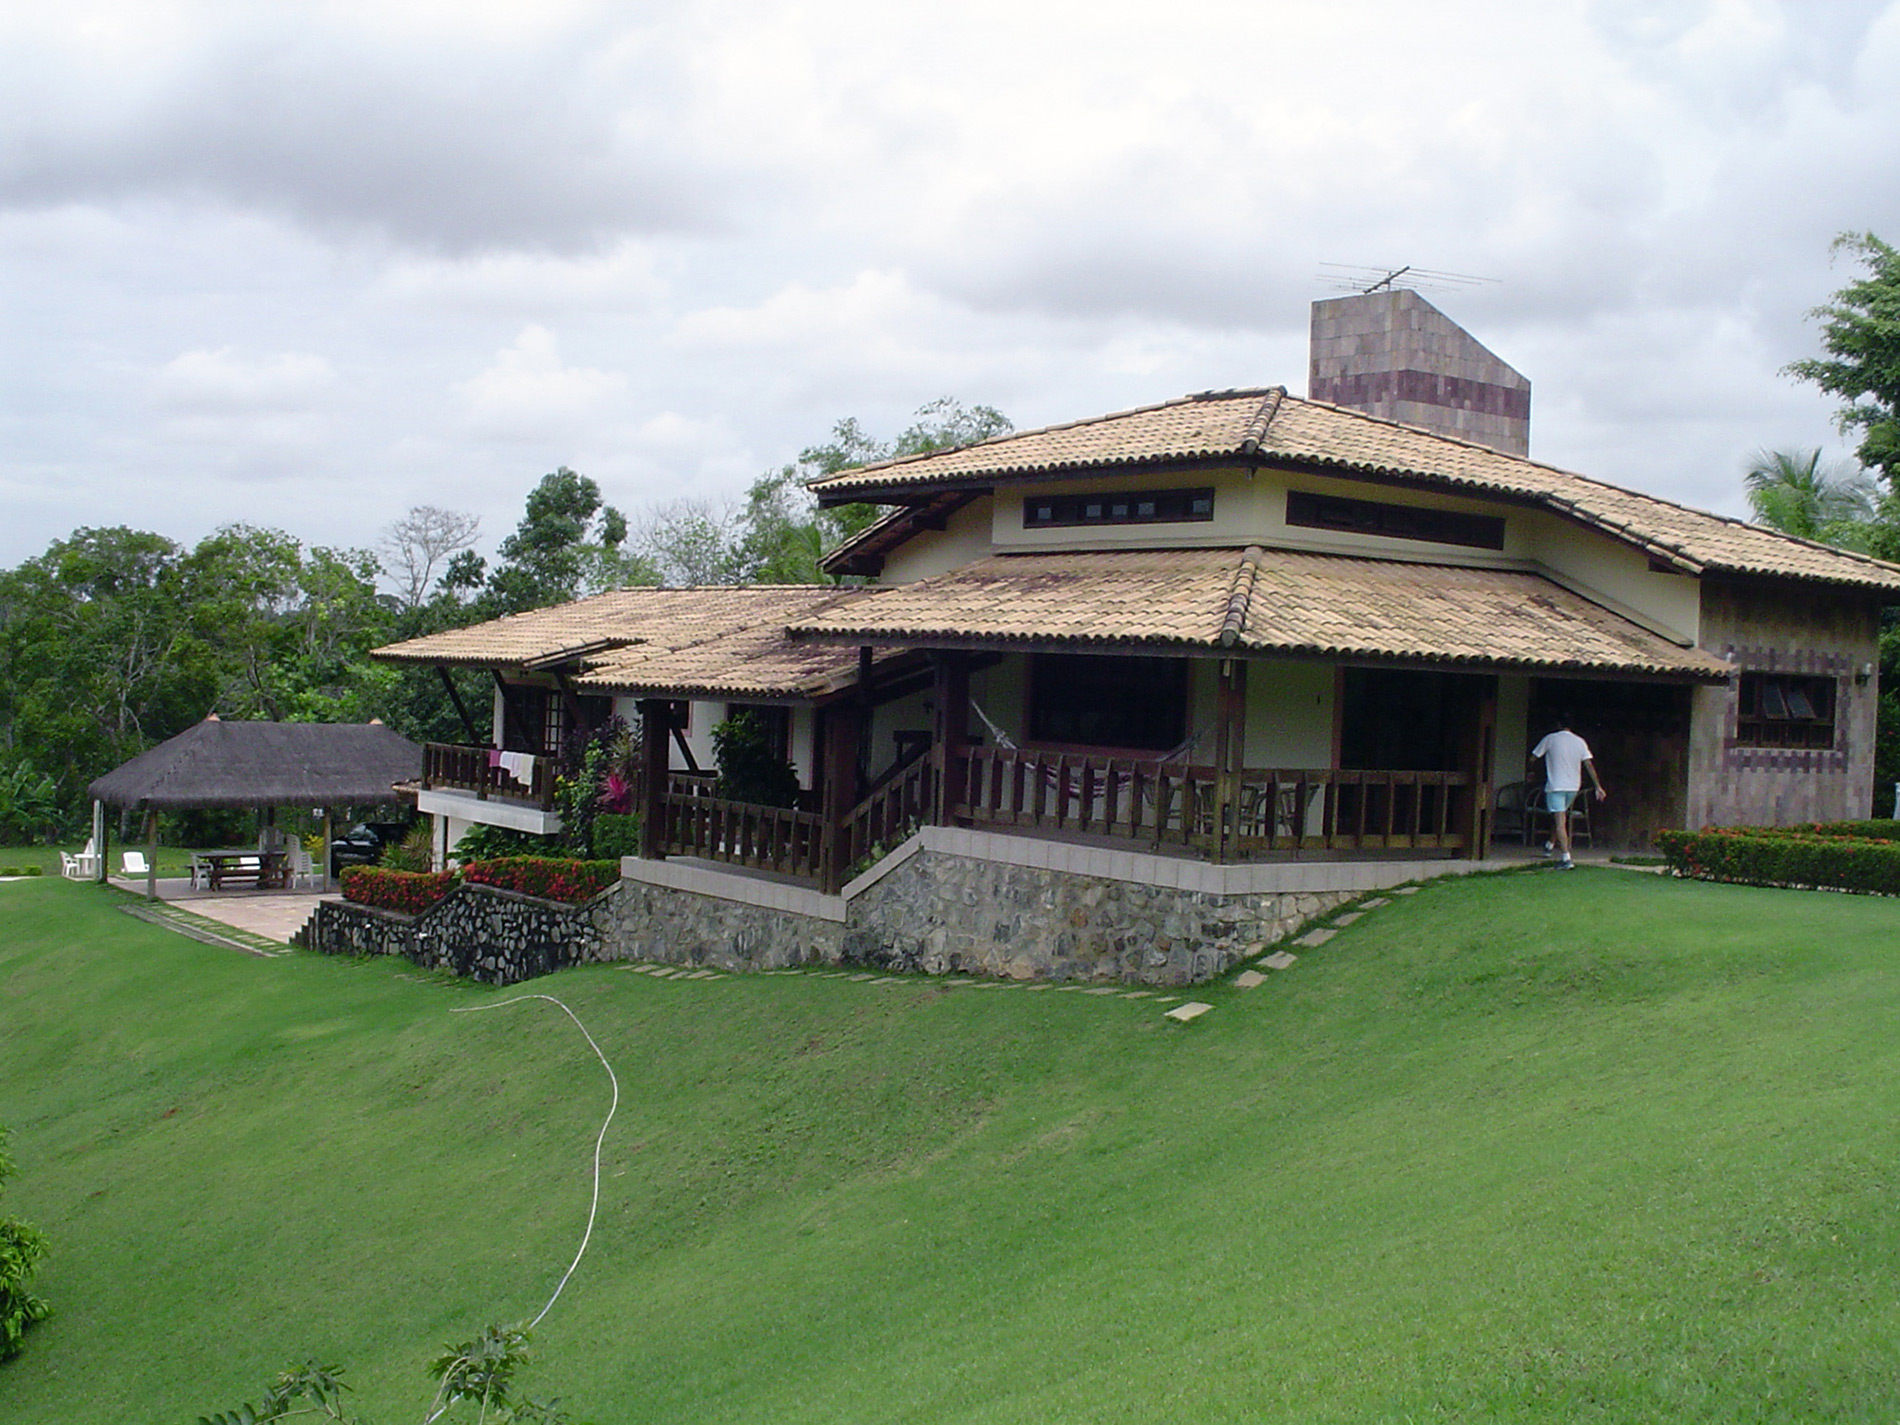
(1588, 1147)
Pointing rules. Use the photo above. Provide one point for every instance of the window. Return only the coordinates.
(1785, 710)
(1311, 511)
(1125, 703)
(1137, 507)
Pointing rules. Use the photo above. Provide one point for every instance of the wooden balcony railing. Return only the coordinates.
(697, 823)
(882, 820)
(468, 769)
(1254, 810)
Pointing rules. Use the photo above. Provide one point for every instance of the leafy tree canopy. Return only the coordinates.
(1796, 493)
(1860, 330)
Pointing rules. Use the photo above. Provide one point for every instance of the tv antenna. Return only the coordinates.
(1363, 281)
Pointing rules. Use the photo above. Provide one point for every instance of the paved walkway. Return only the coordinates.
(274, 915)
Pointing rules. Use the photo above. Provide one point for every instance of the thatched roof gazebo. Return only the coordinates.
(218, 764)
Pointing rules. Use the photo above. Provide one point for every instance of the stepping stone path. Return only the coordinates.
(1313, 939)
(1406, 890)
(1281, 960)
(1348, 918)
(1192, 1010)
(1247, 979)
(1374, 903)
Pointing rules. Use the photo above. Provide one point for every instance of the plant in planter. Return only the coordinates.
(752, 768)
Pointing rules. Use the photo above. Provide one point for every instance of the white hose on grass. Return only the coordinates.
(601, 1138)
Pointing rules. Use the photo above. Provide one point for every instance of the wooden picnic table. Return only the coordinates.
(266, 870)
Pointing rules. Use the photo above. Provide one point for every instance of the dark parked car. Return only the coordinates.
(364, 843)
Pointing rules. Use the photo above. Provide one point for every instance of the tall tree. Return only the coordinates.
(1860, 330)
(420, 547)
(568, 543)
(1792, 491)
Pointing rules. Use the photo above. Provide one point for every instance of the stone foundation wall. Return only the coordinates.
(944, 914)
(679, 927)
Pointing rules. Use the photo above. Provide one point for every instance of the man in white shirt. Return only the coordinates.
(1566, 757)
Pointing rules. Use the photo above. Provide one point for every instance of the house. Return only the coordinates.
(1121, 697)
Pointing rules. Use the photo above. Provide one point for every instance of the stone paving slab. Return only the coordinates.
(1102, 990)
(1340, 921)
(1374, 903)
(1313, 939)
(1406, 890)
(1281, 960)
(1192, 1010)
(1247, 979)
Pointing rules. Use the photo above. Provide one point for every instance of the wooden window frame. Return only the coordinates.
(1766, 715)
(1426, 524)
(1120, 507)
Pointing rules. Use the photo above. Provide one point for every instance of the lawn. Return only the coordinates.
(1590, 1147)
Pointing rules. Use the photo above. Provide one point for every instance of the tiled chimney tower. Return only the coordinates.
(1394, 355)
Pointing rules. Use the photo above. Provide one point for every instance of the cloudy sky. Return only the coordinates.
(307, 265)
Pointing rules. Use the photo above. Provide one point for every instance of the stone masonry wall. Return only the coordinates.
(1782, 630)
(943, 914)
(936, 913)
(496, 936)
(678, 927)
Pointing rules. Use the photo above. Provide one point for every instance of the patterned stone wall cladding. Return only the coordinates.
(1780, 630)
(935, 914)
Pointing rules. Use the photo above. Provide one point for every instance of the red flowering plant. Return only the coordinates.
(547, 877)
(409, 892)
(616, 793)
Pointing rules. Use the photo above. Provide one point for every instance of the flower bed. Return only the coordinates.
(550, 878)
(410, 892)
(1791, 856)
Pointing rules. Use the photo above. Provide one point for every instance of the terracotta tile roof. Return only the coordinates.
(716, 642)
(1266, 601)
(1270, 426)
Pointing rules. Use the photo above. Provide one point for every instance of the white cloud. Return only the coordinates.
(222, 382)
(526, 393)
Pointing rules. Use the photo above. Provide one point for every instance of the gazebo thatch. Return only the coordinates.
(238, 765)
(264, 764)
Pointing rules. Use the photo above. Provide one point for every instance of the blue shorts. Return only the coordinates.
(1558, 801)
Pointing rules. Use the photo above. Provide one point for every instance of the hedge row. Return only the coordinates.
(549, 877)
(1882, 829)
(410, 892)
(1768, 856)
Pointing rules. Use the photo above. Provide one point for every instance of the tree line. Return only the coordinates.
(115, 639)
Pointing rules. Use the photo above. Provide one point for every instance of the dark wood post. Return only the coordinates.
(839, 788)
(475, 738)
(1230, 754)
(655, 728)
(952, 732)
(1479, 752)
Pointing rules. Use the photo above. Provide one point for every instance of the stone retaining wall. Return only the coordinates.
(495, 936)
(681, 927)
(944, 914)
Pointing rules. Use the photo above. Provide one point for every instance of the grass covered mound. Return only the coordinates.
(1599, 1146)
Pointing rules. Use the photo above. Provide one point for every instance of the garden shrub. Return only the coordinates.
(409, 892)
(21, 1248)
(1790, 856)
(549, 877)
(1880, 829)
(485, 843)
(616, 834)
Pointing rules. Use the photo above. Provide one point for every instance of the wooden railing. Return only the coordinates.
(1254, 810)
(697, 823)
(882, 820)
(467, 769)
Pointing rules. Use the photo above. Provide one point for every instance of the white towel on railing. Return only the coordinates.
(520, 766)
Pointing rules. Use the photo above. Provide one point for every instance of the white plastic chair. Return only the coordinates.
(69, 866)
(132, 863)
(303, 869)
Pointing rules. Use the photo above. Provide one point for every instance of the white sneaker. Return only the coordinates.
(1548, 848)
(1566, 864)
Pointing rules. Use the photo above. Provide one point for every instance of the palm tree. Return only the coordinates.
(1792, 491)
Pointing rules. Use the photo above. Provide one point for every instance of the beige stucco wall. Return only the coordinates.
(1289, 714)
(965, 537)
(1250, 508)
(1781, 628)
